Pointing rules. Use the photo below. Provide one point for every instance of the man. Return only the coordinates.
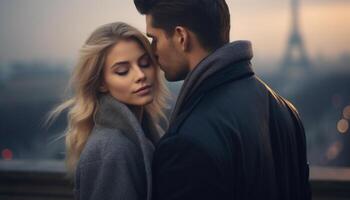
(230, 135)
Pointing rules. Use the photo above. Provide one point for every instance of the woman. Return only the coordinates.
(118, 101)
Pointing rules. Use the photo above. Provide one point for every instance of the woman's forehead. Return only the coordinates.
(126, 50)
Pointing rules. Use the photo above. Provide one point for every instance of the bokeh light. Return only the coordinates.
(7, 154)
(334, 150)
(343, 126)
(346, 112)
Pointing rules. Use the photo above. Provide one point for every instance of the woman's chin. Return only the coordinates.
(144, 101)
(148, 102)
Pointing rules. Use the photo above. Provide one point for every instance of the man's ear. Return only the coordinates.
(182, 36)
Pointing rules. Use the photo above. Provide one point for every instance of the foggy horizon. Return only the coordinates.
(54, 31)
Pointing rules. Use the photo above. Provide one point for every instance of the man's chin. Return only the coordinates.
(171, 78)
(174, 76)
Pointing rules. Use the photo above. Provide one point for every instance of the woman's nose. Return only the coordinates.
(140, 75)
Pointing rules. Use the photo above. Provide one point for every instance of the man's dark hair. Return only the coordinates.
(208, 19)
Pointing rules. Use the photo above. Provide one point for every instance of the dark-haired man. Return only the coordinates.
(230, 135)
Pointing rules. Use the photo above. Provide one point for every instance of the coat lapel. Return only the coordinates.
(116, 115)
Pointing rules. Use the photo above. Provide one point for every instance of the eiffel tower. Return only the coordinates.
(295, 55)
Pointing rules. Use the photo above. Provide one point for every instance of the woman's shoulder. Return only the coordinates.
(106, 144)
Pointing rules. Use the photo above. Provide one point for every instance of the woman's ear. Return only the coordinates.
(183, 37)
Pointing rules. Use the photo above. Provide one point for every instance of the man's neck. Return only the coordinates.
(197, 56)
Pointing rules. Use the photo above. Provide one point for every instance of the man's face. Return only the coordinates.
(168, 52)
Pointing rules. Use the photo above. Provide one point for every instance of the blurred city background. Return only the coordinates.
(301, 49)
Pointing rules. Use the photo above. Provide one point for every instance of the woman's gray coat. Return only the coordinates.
(116, 160)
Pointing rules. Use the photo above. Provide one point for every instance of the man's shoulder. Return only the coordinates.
(224, 104)
(234, 94)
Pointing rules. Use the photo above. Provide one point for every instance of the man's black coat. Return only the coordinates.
(231, 137)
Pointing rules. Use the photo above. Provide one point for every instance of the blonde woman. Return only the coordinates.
(118, 101)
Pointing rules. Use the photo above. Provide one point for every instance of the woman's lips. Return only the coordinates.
(145, 90)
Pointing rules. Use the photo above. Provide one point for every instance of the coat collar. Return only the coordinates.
(230, 62)
(116, 115)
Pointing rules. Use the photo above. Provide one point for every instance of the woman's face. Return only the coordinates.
(129, 74)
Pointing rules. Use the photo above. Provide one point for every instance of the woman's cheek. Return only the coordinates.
(120, 88)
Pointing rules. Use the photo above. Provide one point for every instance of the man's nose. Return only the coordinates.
(154, 47)
(156, 57)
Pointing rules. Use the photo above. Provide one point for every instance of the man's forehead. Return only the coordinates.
(148, 18)
(149, 28)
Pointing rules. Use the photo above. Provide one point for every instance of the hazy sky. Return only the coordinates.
(54, 30)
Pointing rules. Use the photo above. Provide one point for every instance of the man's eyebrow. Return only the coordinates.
(150, 35)
(142, 56)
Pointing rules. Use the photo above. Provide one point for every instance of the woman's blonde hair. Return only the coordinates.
(86, 80)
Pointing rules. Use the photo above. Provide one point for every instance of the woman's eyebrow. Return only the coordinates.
(142, 56)
(120, 63)
(127, 62)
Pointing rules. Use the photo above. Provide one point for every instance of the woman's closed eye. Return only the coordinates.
(121, 70)
(145, 61)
